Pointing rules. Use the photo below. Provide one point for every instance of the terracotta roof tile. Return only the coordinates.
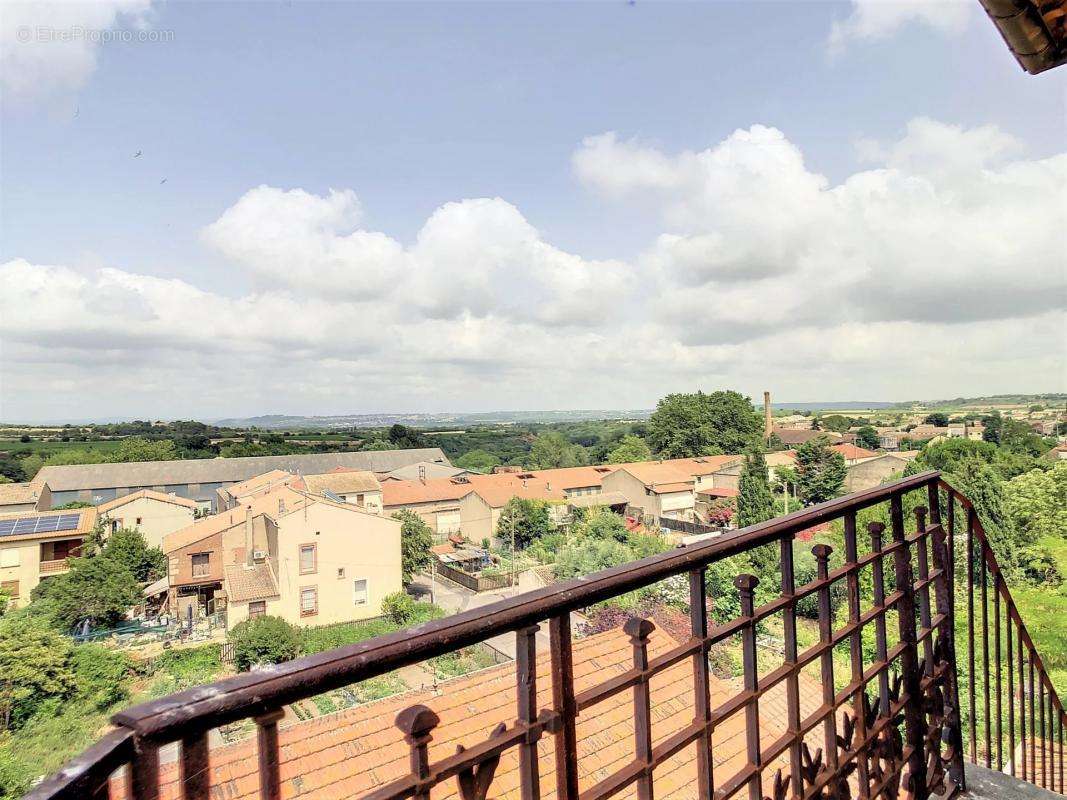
(246, 583)
(149, 494)
(352, 752)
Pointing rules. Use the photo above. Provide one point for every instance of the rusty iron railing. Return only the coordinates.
(889, 727)
(1015, 719)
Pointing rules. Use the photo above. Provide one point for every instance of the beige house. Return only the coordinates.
(358, 487)
(288, 553)
(435, 500)
(32, 496)
(35, 546)
(874, 471)
(152, 513)
(659, 489)
(481, 507)
(232, 496)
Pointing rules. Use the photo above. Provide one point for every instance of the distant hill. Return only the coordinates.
(437, 420)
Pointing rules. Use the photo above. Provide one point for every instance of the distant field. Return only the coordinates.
(48, 448)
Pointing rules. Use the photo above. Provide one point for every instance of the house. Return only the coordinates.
(17, 497)
(286, 552)
(354, 752)
(729, 476)
(421, 470)
(152, 513)
(853, 454)
(870, 472)
(36, 545)
(435, 500)
(200, 478)
(358, 487)
(234, 495)
(658, 488)
(793, 438)
(481, 507)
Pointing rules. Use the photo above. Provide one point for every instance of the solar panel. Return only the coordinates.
(23, 526)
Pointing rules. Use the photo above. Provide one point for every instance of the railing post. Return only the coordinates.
(826, 658)
(563, 702)
(792, 682)
(194, 774)
(144, 770)
(970, 637)
(698, 621)
(416, 723)
(1010, 664)
(952, 735)
(914, 717)
(881, 650)
(639, 630)
(526, 689)
(746, 587)
(270, 783)
(855, 651)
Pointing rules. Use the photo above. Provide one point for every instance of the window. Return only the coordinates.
(257, 608)
(359, 590)
(340, 572)
(309, 601)
(201, 564)
(308, 559)
(10, 588)
(138, 521)
(359, 499)
(9, 557)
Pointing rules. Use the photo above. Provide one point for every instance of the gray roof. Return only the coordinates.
(75, 477)
(430, 469)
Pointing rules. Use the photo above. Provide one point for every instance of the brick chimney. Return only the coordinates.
(768, 429)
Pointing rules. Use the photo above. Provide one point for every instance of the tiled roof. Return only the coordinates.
(425, 469)
(719, 491)
(790, 436)
(667, 488)
(598, 499)
(244, 583)
(432, 490)
(16, 494)
(851, 452)
(353, 752)
(259, 482)
(148, 494)
(342, 482)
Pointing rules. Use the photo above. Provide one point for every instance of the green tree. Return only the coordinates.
(1037, 502)
(551, 450)
(938, 418)
(632, 448)
(600, 524)
(101, 590)
(991, 427)
(699, 424)
(34, 666)
(100, 674)
(403, 437)
(137, 448)
(477, 461)
(868, 437)
(263, 640)
(377, 444)
(399, 607)
(525, 520)
(837, 423)
(981, 484)
(820, 471)
(416, 539)
(585, 556)
(129, 548)
(755, 503)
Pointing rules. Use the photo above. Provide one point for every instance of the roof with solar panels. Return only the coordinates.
(46, 524)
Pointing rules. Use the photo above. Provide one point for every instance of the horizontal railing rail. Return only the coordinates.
(1014, 709)
(888, 726)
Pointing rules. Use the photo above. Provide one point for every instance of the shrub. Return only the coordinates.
(34, 667)
(399, 607)
(100, 674)
(98, 589)
(263, 640)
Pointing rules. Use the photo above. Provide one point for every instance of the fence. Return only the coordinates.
(476, 583)
(893, 728)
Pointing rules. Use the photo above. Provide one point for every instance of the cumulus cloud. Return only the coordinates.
(871, 20)
(48, 47)
(945, 252)
(944, 227)
(476, 257)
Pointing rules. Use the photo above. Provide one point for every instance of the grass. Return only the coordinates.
(45, 449)
(460, 662)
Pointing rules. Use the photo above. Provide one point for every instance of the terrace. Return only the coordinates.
(639, 711)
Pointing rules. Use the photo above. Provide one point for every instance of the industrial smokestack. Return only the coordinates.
(767, 429)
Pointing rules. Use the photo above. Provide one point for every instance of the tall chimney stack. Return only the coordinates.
(767, 429)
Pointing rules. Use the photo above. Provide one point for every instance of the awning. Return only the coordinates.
(160, 586)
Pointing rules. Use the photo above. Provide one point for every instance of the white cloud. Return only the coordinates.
(871, 20)
(48, 47)
(936, 271)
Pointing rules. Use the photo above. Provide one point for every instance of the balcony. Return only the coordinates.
(54, 566)
(638, 710)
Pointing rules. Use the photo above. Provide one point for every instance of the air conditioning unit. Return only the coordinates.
(259, 555)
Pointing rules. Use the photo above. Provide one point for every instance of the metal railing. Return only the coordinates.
(1015, 720)
(890, 725)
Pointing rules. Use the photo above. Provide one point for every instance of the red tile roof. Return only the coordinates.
(353, 752)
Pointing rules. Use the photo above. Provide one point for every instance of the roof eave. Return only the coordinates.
(1027, 35)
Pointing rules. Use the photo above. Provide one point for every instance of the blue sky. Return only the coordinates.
(404, 108)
